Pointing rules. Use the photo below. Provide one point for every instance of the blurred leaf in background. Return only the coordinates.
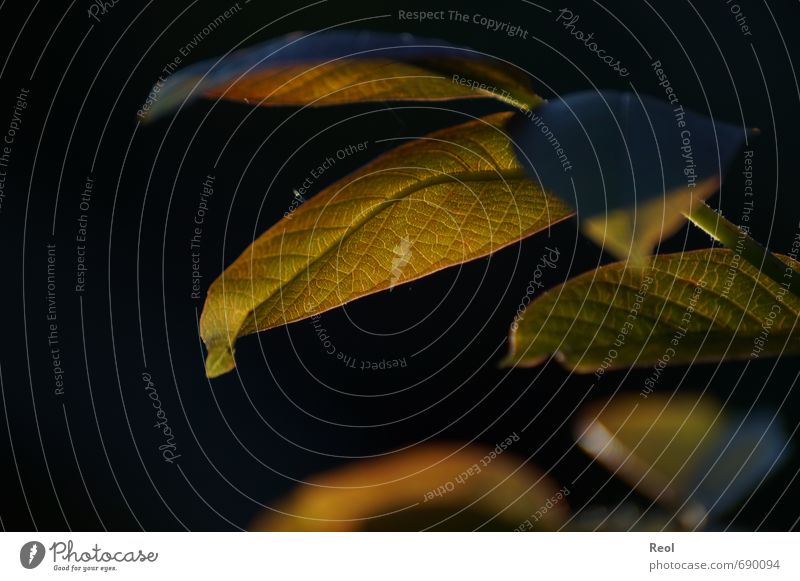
(631, 165)
(688, 307)
(685, 451)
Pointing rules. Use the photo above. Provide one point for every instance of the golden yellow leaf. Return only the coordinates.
(453, 196)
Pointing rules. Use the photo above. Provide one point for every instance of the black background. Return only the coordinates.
(88, 459)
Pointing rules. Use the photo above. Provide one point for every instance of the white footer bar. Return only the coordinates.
(370, 556)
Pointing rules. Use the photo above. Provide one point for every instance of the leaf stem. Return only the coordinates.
(738, 240)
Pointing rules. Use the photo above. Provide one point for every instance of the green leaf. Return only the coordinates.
(339, 67)
(456, 195)
(704, 305)
(432, 486)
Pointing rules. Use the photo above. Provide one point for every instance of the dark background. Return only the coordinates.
(88, 459)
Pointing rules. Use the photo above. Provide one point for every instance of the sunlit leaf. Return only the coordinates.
(632, 233)
(433, 486)
(703, 305)
(435, 202)
(625, 517)
(684, 451)
(337, 67)
(635, 161)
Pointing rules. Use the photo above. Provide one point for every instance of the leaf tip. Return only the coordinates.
(220, 360)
